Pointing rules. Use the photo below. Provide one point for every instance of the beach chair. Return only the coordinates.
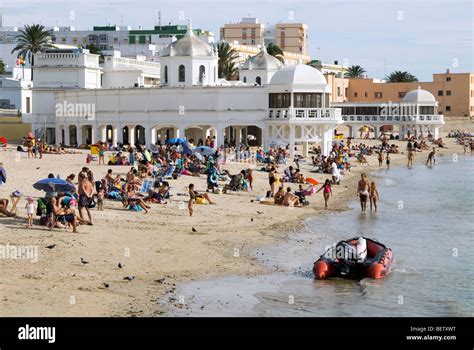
(147, 185)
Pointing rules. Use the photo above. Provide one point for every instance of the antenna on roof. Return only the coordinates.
(159, 19)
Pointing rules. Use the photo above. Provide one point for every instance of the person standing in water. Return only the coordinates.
(380, 158)
(327, 191)
(363, 191)
(431, 158)
(387, 160)
(411, 156)
(374, 195)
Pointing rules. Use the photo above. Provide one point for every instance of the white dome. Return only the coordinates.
(419, 96)
(299, 74)
(262, 61)
(188, 46)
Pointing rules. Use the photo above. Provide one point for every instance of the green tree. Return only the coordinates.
(355, 72)
(227, 61)
(401, 77)
(31, 40)
(276, 51)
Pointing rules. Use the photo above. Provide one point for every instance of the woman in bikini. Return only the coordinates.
(374, 195)
(327, 191)
(272, 180)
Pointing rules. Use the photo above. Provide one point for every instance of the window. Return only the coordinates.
(63, 40)
(448, 108)
(116, 40)
(142, 39)
(74, 40)
(448, 92)
(366, 94)
(132, 39)
(202, 73)
(448, 78)
(279, 100)
(401, 94)
(166, 74)
(245, 79)
(258, 80)
(440, 92)
(28, 107)
(181, 74)
(85, 40)
(338, 91)
(345, 92)
(307, 100)
(378, 95)
(355, 94)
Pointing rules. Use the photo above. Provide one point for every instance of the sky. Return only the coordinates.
(419, 36)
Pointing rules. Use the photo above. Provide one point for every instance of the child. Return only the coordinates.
(374, 195)
(100, 198)
(30, 210)
(387, 160)
(327, 190)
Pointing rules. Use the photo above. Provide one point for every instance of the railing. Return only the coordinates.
(425, 118)
(322, 114)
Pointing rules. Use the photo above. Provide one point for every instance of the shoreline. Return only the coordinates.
(161, 244)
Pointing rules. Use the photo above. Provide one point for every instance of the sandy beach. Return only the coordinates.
(159, 249)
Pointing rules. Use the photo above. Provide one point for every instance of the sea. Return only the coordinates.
(425, 215)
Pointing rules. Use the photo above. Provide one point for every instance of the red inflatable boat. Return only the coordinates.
(344, 260)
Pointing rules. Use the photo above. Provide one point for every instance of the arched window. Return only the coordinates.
(181, 74)
(258, 80)
(245, 79)
(202, 72)
(166, 74)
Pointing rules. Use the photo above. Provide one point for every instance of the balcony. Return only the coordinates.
(305, 114)
(397, 119)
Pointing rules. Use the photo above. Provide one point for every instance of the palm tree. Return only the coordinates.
(276, 51)
(33, 39)
(2, 67)
(400, 77)
(355, 72)
(93, 49)
(227, 61)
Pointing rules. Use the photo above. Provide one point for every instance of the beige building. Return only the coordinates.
(453, 91)
(290, 37)
(246, 51)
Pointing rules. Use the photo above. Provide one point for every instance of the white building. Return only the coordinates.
(417, 114)
(290, 105)
(191, 102)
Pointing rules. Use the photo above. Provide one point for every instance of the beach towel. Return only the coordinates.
(114, 195)
(134, 207)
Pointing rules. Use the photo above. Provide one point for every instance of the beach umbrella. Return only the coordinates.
(54, 185)
(278, 143)
(312, 181)
(199, 156)
(204, 150)
(147, 155)
(178, 140)
(187, 150)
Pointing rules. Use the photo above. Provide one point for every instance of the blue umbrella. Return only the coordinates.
(178, 140)
(53, 185)
(187, 150)
(204, 150)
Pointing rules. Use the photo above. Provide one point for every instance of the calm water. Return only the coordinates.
(432, 240)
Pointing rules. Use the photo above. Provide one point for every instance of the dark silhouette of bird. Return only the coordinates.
(106, 285)
(193, 229)
(51, 246)
(259, 212)
(251, 219)
(37, 168)
(83, 261)
(161, 280)
(251, 201)
(120, 265)
(129, 278)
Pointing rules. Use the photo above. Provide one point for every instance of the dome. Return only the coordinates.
(189, 45)
(262, 61)
(299, 74)
(419, 96)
